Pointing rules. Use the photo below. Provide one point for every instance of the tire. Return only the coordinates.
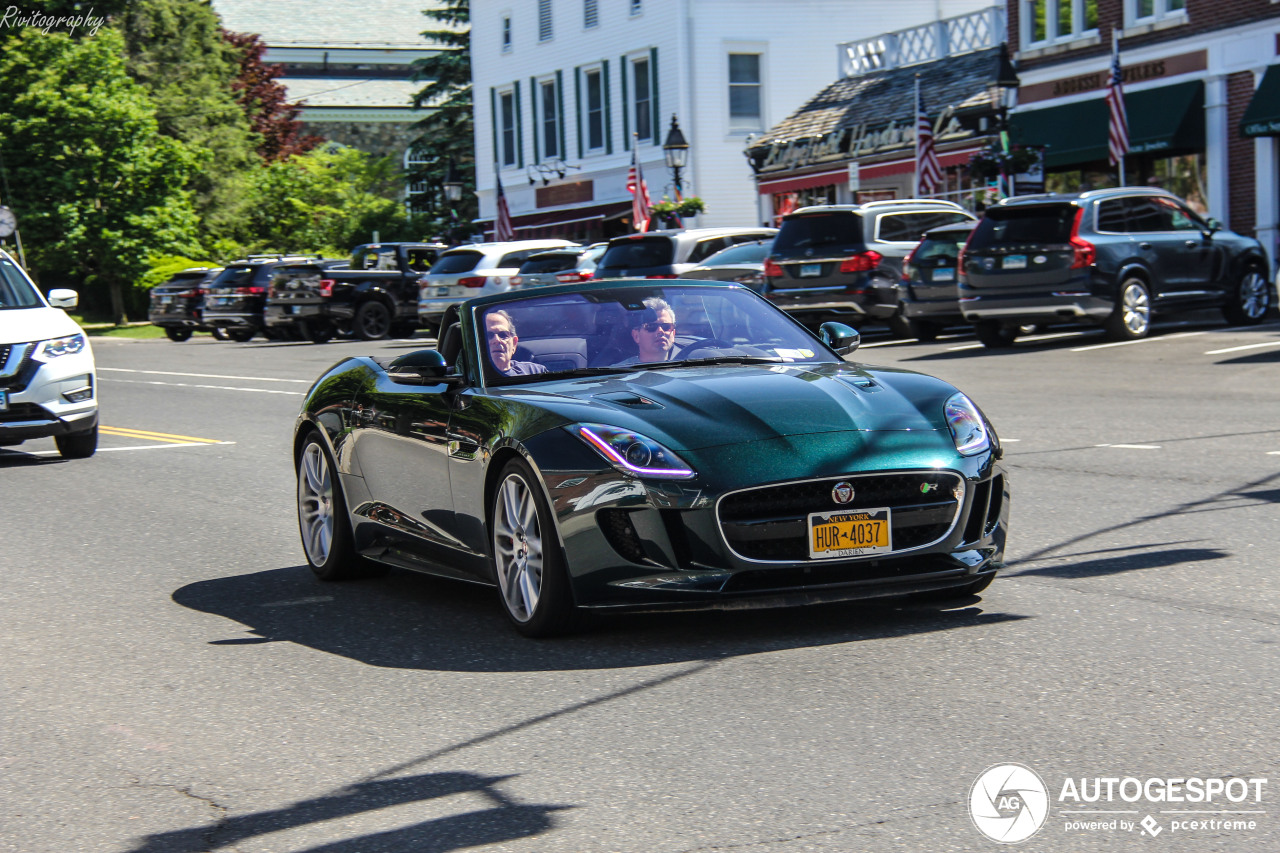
(322, 518)
(178, 334)
(220, 334)
(533, 584)
(372, 321)
(240, 336)
(996, 335)
(78, 445)
(1131, 318)
(905, 327)
(318, 333)
(1248, 299)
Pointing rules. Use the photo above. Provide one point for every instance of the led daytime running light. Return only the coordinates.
(620, 461)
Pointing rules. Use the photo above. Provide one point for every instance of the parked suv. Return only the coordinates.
(927, 293)
(236, 297)
(1114, 257)
(843, 261)
(48, 385)
(667, 254)
(177, 305)
(476, 269)
(559, 266)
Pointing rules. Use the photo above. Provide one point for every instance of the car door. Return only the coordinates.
(1177, 256)
(401, 441)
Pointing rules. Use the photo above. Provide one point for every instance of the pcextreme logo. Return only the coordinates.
(1010, 803)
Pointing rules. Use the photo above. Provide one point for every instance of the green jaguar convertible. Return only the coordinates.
(648, 444)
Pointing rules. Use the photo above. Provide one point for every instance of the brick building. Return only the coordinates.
(1202, 90)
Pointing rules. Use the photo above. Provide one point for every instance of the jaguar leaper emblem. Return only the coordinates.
(842, 492)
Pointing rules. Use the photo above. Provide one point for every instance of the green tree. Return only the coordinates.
(448, 131)
(97, 187)
(176, 50)
(331, 198)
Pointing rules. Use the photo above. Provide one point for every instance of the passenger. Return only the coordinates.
(500, 333)
(655, 335)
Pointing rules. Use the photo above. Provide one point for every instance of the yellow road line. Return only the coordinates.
(155, 436)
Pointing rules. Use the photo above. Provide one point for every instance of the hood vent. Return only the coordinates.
(629, 399)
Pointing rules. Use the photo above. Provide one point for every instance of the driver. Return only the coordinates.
(500, 333)
(655, 335)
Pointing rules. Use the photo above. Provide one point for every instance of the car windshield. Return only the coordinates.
(639, 252)
(15, 290)
(455, 262)
(619, 329)
(745, 253)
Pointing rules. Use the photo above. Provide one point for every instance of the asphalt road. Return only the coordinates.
(174, 679)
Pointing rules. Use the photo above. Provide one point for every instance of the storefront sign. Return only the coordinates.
(852, 142)
(1156, 69)
(557, 195)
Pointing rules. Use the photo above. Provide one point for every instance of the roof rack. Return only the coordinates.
(889, 202)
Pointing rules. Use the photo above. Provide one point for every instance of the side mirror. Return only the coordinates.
(1214, 225)
(63, 298)
(841, 338)
(422, 367)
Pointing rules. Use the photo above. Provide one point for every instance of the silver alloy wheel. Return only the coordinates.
(1135, 303)
(315, 503)
(517, 547)
(1254, 298)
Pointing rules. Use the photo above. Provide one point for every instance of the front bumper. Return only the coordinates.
(37, 406)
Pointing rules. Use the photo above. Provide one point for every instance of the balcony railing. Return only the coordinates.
(948, 37)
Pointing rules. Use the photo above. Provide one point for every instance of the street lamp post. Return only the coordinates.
(453, 194)
(676, 149)
(1006, 81)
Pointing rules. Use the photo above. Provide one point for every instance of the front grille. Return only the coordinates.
(771, 523)
(16, 366)
(20, 412)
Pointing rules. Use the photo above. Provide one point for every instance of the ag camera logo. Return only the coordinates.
(1008, 803)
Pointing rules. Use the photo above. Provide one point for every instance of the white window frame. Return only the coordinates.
(587, 73)
(556, 120)
(546, 22)
(508, 149)
(1052, 36)
(637, 7)
(741, 127)
(1160, 12)
(633, 96)
(505, 30)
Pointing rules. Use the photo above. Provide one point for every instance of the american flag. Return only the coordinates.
(928, 169)
(639, 193)
(1118, 123)
(502, 230)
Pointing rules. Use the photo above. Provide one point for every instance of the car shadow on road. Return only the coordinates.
(1121, 563)
(411, 621)
(503, 820)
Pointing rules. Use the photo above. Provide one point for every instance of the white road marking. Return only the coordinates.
(1273, 452)
(1131, 446)
(966, 346)
(200, 375)
(1138, 341)
(1049, 336)
(213, 387)
(1246, 346)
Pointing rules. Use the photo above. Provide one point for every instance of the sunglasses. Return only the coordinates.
(501, 334)
(653, 327)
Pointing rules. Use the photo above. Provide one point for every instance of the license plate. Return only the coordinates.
(849, 533)
(442, 291)
(4, 401)
(223, 300)
(810, 270)
(165, 300)
(291, 309)
(944, 274)
(1014, 262)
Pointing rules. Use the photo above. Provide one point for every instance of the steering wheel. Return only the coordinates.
(705, 343)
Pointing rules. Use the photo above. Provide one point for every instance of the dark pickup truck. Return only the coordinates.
(375, 297)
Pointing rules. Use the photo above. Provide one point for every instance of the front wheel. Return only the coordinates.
(1249, 299)
(79, 445)
(322, 518)
(240, 336)
(995, 335)
(1131, 318)
(372, 321)
(532, 581)
(178, 334)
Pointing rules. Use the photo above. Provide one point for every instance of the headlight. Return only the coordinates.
(633, 453)
(62, 346)
(968, 429)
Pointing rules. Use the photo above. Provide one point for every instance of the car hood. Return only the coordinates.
(693, 408)
(20, 325)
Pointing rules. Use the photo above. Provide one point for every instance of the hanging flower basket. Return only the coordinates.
(666, 210)
(991, 162)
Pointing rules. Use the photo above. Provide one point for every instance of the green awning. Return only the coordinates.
(1262, 116)
(1168, 120)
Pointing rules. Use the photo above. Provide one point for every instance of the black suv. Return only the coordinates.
(666, 254)
(177, 306)
(236, 297)
(843, 261)
(927, 292)
(1112, 257)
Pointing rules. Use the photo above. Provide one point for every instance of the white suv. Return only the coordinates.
(48, 386)
(476, 269)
